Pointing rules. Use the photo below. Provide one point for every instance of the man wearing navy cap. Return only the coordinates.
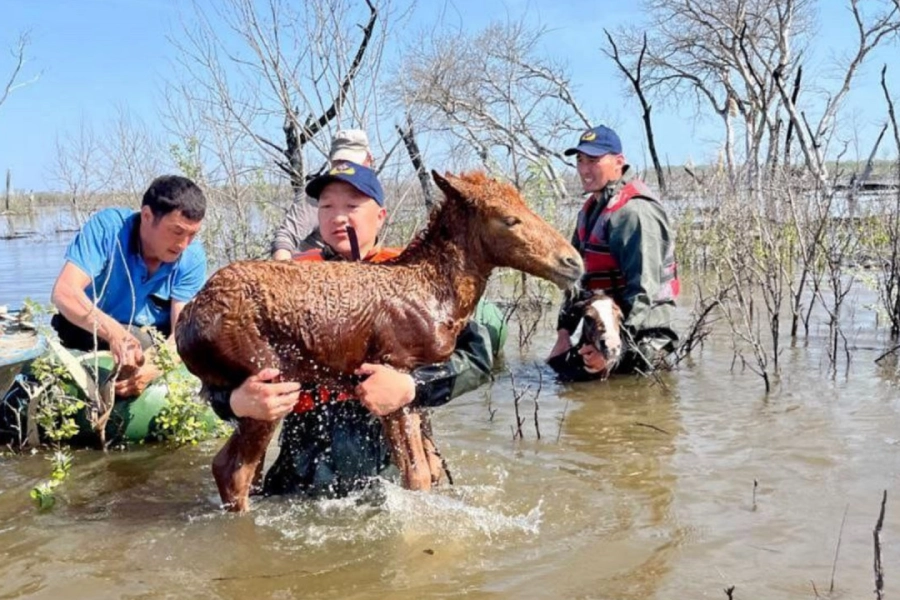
(623, 235)
(349, 194)
(299, 231)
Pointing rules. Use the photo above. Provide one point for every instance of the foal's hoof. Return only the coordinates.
(240, 505)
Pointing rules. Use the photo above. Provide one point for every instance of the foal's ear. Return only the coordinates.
(453, 186)
(581, 306)
(444, 183)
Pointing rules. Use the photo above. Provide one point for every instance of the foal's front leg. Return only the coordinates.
(238, 464)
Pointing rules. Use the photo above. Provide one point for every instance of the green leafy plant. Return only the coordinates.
(61, 462)
(44, 493)
(183, 420)
(56, 406)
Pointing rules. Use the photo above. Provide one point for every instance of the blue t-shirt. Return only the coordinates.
(108, 249)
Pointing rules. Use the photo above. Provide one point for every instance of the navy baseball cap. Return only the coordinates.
(360, 177)
(597, 142)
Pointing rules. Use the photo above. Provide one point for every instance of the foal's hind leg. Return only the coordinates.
(436, 464)
(403, 430)
(238, 463)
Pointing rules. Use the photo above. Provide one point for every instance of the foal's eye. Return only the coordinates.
(511, 221)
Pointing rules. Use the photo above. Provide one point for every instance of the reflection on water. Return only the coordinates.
(634, 491)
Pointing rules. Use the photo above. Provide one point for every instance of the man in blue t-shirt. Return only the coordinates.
(126, 270)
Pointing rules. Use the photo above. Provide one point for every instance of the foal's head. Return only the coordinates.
(509, 234)
(601, 327)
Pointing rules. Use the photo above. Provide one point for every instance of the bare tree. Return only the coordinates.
(722, 55)
(78, 169)
(14, 80)
(131, 156)
(107, 165)
(871, 31)
(261, 88)
(739, 58)
(889, 285)
(492, 92)
(251, 69)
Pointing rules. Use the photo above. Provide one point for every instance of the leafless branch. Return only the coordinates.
(415, 156)
(19, 55)
(633, 75)
(837, 549)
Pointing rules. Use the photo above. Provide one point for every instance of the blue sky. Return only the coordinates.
(96, 55)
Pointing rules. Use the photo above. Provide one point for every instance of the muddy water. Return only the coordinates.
(634, 490)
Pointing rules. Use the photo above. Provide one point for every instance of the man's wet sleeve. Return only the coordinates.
(299, 221)
(220, 401)
(468, 367)
(570, 315)
(569, 366)
(635, 240)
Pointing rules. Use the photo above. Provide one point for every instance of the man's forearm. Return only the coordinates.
(75, 306)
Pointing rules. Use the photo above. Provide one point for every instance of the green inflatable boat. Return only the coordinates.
(131, 419)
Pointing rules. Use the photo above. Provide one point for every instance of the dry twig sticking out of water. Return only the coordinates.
(838, 549)
(653, 427)
(517, 397)
(537, 406)
(876, 534)
(562, 419)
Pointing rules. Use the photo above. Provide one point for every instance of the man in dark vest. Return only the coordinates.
(623, 235)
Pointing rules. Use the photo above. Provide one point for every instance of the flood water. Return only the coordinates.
(635, 490)
(31, 254)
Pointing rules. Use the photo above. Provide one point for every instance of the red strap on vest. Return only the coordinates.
(310, 398)
(633, 188)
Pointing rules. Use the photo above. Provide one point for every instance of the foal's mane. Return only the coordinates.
(449, 215)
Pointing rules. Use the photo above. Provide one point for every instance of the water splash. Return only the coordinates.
(461, 512)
